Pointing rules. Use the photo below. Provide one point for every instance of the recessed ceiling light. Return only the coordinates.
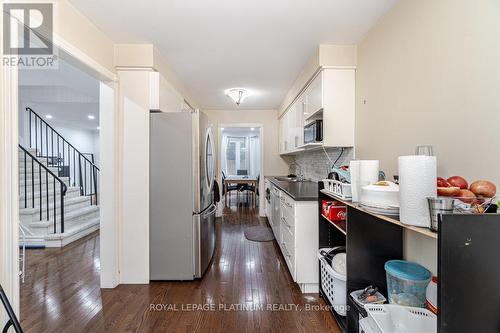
(252, 129)
(98, 128)
(48, 116)
(237, 94)
(91, 116)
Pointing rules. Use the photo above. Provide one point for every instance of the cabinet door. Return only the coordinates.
(314, 95)
(283, 135)
(299, 121)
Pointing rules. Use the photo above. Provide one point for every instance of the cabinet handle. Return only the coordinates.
(286, 223)
(286, 250)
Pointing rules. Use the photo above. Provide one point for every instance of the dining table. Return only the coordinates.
(242, 180)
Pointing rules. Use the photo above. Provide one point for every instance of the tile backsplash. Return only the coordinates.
(315, 165)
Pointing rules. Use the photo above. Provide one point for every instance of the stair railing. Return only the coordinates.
(71, 163)
(13, 321)
(51, 180)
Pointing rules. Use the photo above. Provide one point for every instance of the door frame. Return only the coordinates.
(9, 180)
(260, 126)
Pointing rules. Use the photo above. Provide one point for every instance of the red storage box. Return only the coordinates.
(334, 210)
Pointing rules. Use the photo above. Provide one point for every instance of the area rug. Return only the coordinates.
(259, 233)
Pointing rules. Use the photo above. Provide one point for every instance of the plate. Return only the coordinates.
(389, 211)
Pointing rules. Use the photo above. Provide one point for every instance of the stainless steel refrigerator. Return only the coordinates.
(182, 208)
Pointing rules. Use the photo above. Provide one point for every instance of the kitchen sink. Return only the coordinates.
(288, 179)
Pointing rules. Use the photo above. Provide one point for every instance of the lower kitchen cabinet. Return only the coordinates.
(295, 227)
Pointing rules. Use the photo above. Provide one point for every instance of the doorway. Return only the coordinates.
(241, 165)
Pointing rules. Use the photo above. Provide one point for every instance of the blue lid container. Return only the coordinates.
(406, 270)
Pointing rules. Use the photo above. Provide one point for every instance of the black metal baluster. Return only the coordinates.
(69, 167)
(63, 161)
(31, 129)
(74, 167)
(62, 208)
(96, 185)
(47, 142)
(55, 211)
(47, 192)
(58, 152)
(25, 182)
(91, 182)
(36, 136)
(85, 177)
(40, 188)
(32, 183)
(80, 173)
(52, 148)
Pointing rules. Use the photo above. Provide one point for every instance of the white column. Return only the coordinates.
(134, 104)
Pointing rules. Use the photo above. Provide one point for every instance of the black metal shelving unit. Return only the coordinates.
(369, 245)
(467, 248)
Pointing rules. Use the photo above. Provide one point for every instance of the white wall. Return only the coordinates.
(429, 73)
(83, 140)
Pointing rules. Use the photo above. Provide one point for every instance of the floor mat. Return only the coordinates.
(259, 233)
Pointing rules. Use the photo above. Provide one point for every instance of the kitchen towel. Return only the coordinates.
(363, 172)
(417, 182)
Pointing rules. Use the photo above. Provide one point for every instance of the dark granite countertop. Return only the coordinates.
(299, 191)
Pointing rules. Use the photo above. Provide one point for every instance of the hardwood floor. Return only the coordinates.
(62, 294)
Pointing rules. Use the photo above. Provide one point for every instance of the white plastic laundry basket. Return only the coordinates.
(333, 285)
(391, 318)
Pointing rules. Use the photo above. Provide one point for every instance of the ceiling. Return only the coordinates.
(261, 45)
(67, 94)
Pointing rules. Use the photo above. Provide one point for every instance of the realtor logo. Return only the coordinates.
(28, 35)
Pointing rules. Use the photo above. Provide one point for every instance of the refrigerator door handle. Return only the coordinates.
(210, 210)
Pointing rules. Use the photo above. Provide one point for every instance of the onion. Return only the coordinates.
(483, 188)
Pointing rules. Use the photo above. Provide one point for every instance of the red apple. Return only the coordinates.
(466, 196)
(441, 182)
(483, 188)
(448, 191)
(458, 182)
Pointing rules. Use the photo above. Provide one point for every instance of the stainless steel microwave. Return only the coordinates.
(313, 132)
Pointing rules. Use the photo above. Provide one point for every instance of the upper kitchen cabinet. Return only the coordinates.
(313, 99)
(163, 96)
(338, 105)
(291, 128)
(327, 103)
(321, 101)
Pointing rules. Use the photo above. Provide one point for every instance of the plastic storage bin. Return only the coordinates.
(397, 319)
(406, 283)
(333, 280)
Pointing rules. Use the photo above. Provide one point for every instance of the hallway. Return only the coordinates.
(243, 276)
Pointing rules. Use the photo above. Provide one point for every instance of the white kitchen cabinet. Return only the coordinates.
(330, 97)
(314, 99)
(297, 235)
(292, 128)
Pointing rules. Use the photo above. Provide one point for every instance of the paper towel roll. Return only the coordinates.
(417, 181)
(354, 170)
(363, 172)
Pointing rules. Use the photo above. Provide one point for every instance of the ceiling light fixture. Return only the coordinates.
(48, 116)
(237, 94)
(91, 116)
(252, 129)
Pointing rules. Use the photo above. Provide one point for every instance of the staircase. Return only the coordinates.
(58, 188)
